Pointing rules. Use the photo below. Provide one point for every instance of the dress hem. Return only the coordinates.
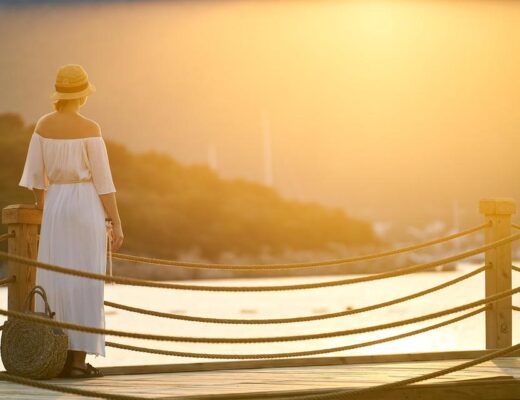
(92, 353)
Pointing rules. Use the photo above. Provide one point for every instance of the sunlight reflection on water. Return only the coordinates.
(465, 335)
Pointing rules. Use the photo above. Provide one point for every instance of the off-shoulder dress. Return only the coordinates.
(73, 234)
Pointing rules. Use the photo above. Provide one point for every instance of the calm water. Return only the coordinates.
(465, 335)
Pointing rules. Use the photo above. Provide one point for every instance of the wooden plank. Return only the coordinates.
(493, 389)
(269, 383)
(293, 362)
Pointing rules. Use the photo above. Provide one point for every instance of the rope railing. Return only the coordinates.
(297, 353)
(5, 236)
(295, 319)
(311, 264)
(486, 303)
(468, 308)
(7, 281)
(218, 340)
(339, 394)
(367, 278)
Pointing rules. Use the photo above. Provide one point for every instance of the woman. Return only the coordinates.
(68, 170)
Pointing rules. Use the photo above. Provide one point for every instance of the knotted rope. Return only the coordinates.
(7, 281)
(295, 319)
(348, 281)
(293, 354)
(109, 236)
(188, 339)
(6, 236)
(339, 394)
(185, 264)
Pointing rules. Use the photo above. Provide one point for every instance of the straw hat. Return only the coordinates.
(71, 83)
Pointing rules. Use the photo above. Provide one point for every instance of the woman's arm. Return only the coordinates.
(110, 204)
(39, 196)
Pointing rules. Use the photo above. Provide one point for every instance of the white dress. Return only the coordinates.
(74, 172)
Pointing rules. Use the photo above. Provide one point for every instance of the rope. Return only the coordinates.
(515, 308)
(7, 281)
(360, 393)
(515, 226)
(187, 339)
(294, 354)
(109, 229)
(6, 236)
(515, 268)
(185, 264)
(296, 319)
(340, 394)
(141, 282)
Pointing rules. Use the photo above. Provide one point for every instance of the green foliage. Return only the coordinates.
(167, 208)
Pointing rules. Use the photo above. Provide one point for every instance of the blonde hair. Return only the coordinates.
(59, 104)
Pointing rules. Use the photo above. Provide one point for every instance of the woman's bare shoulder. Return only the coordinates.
(94, 127)
(43, 122)
(44, 119)
(56, 126)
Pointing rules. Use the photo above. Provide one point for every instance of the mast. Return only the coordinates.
(268, 162)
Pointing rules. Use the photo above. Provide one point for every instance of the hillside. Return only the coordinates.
(187, 212)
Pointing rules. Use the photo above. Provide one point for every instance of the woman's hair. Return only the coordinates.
(59, 104)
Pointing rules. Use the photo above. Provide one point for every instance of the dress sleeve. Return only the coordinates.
(34, 174)
(100, 166)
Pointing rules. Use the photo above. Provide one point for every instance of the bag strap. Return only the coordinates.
(109, 236)
(41, 291)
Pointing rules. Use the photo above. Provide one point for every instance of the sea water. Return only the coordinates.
(468, 334)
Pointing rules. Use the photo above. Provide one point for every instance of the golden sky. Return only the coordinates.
(385, 108)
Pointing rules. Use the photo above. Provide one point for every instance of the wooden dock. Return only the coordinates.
(497, 380)
(294, 375)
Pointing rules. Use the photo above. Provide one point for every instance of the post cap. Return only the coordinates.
(500, 206)
(21, 214)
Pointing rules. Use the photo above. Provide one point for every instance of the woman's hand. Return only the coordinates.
(110, 206)
(117, 237)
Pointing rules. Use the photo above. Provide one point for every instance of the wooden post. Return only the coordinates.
(498, 275)
(22, 220)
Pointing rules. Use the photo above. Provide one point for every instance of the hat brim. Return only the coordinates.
(74, 95)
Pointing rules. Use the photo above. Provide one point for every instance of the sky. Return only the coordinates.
(392, 110)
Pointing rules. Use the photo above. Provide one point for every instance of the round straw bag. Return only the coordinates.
(34, 350)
